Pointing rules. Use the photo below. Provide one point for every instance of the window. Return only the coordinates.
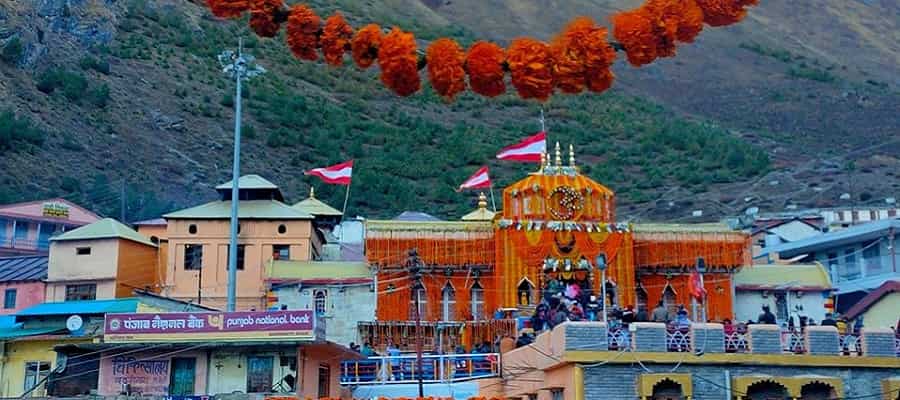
(321, 301)
(259, 374)
(83, 251)
(324, 381)
(193, 256)
(21, 231)
(35, 372)
(556, 394)
(87, 291)
(872, 258)
(282, 229)
(241, 250)
(418, 293)
(9, 299)
(850, 268)
(192, 229)
(477, 302)
(281, 252)
(448, 303)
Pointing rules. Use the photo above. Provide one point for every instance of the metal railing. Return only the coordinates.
(736, 342)
(618, 339)
(435, 369)
(851, 345)
(793, 342)
(678, 340)
(25, 244)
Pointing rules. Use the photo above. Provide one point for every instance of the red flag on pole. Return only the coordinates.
(696, 286)
(339, 174)
(528, 150)
(479, 180)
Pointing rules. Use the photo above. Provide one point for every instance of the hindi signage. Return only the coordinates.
(203, 327)
(143, 376)
(55, 210)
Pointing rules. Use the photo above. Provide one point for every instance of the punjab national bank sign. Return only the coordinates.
(266, 326)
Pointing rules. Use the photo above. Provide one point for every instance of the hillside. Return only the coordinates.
(767, 113)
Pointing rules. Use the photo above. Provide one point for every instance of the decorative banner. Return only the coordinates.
(203, 327)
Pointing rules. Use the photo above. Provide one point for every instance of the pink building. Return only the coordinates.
(26, 228)
(22, 282)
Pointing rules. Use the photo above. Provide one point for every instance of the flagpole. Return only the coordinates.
(346, 199)
(493, 203)
(543, 128)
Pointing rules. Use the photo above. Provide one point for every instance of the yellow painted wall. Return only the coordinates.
(12, 383)
(228, 369)
(883, 314)
(258, 236)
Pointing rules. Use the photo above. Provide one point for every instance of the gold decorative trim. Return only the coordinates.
(647, 382)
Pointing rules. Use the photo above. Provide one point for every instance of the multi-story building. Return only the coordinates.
(22, 282)
(790, 291)
(198, 238)
(103, 260)
(26, 228)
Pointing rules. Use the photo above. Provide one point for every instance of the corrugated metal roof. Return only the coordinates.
(249, 182)
(853, 234)
(151, 222)
(794, 231)
(18, 332)
(783, 276)
(128, 305)
(314, 206)
(316, 270)
(106, 228)
(247, 209)
(27, 268)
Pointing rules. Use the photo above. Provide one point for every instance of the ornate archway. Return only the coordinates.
(665, 386)
(767, 390)
(817, 391)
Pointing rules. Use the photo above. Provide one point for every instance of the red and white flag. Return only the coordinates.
(696, 286)
(479, 180)
(528, 150)
(339, 174)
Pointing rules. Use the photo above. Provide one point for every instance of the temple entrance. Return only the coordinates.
(641, 296)
(817, 391)
(563, 278)
(525, 291)
(669, 301)
(766, 390)
(667, 390)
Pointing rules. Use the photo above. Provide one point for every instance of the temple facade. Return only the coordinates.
(556, 227)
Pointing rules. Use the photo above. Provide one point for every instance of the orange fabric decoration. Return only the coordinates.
(262, 17)
(636, 33)
(228, 8)
(335, 37)
(445, 67)
(364, 45)
(484, 63)
(531, 64)
(724, 12)
(582, 57)
(399, 62)
(302, 32)
(682, 250)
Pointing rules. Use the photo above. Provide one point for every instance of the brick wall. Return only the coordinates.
(822, 340)
(765, 339)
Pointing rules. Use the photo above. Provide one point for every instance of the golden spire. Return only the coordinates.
(312, 192)
(558, 156)
(543, 162)
(482, 201)
(572, 156)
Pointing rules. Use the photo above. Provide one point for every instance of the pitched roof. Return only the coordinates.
(783, 276)
(247, 209)
(853, 234)
(27, 268)
(30, 209)
(249, 182)
(106, 228)
(319, 271)
(872, 298)
(416, 216)
(481, 213)
(151, 222)
(314, 206)
(128, 305)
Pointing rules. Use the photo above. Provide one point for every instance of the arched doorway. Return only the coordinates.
(667, 390)
(817, 391)
(766, 390)
(525, 293)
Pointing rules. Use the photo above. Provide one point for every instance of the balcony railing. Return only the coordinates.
(851, 345)
(678, 340)
(435, 369)
(736, 342)
(618, 339)
(793, 342)
(24, 244)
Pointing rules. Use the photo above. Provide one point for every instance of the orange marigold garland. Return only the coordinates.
(335, 36)
(724, 12)
(228, 8)
(674, 19)
(303, 32)
(484, 62)
(599, 57)
(531, 65)
(262, 17)
(399, 62)
(691, 21)
(582, 57)
(445, 60)
(364, 45)
(634, 30)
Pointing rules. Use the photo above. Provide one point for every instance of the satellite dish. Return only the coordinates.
(74, 323)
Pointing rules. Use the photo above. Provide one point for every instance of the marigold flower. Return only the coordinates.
(262, 17)
(335, 37)
(484, 63)
(399, 62)
(364, 45)
(228, 8)
(531, 64)
(303, 32)
(635, 31)
(445, 67)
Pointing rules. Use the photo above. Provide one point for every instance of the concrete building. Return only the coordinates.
(103, 260)
(198, 240)
(859, 258)
(26, 228)
(22, 282)
(879, 309)
(789, 290)
(342, 293)
(574, 362)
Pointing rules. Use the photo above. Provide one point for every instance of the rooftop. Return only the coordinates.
(106, 228)
(319, 271)
(247, 209)
(21, 269)
(783, 276)
(481, 213)
(872, 298)
(249, 182)
(416, 216)
(853, 234)
(128, 305)
(314, 206)
(151, 222)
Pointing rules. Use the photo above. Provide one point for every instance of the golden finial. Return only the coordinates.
(312, 192)
(482, 201)
(572, 156)
(558, 156)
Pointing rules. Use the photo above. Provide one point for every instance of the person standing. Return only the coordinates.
(660, 314)
(766, 317)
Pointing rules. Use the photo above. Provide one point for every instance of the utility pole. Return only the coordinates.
(122, 205)
(239, 67)
(414, 265)
(601, 265)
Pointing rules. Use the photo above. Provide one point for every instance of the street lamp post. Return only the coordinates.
(238, 66)
(601, 265)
